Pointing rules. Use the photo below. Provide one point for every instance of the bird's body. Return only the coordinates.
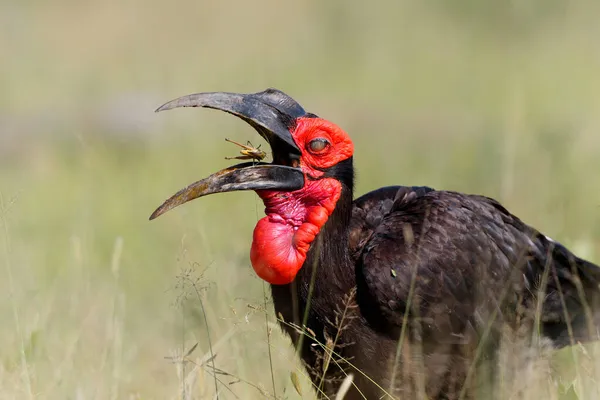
(476, 270)
(408, 289)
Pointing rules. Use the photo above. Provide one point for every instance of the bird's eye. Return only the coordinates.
(318, 145)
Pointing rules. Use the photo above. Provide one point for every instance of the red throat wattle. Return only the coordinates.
(282, 239)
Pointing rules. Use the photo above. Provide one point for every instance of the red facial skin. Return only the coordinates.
(282, 239)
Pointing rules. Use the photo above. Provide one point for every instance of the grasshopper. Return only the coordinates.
(248, 151)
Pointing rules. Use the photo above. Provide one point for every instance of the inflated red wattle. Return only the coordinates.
(282, 239)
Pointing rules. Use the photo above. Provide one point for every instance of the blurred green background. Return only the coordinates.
(489, 97)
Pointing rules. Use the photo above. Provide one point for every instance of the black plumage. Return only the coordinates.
(464, 268)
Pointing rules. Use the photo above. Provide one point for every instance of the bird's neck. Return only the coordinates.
(325, 278)
(328, 259)
(327, 274)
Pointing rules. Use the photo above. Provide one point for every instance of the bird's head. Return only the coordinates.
(312, 166)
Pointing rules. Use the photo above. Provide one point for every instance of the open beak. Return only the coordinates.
(273, 114)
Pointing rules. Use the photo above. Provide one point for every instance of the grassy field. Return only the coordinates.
(96, 302)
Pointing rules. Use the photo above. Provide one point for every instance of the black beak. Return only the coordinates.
(273, 114)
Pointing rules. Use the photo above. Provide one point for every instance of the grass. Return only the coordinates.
(501, 102)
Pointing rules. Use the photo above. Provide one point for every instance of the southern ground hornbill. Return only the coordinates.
(407, 288)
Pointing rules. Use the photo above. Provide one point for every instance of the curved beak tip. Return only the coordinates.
(159, 211)
(162, 108)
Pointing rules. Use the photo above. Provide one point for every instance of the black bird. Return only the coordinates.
(408, 289)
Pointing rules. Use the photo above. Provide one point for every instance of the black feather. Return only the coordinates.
(476, 268)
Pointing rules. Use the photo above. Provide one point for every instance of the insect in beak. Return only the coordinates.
(248, 152)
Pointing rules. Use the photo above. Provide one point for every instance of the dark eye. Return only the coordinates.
(318, 145)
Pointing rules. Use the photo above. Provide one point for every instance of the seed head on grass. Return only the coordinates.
(190, 283)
